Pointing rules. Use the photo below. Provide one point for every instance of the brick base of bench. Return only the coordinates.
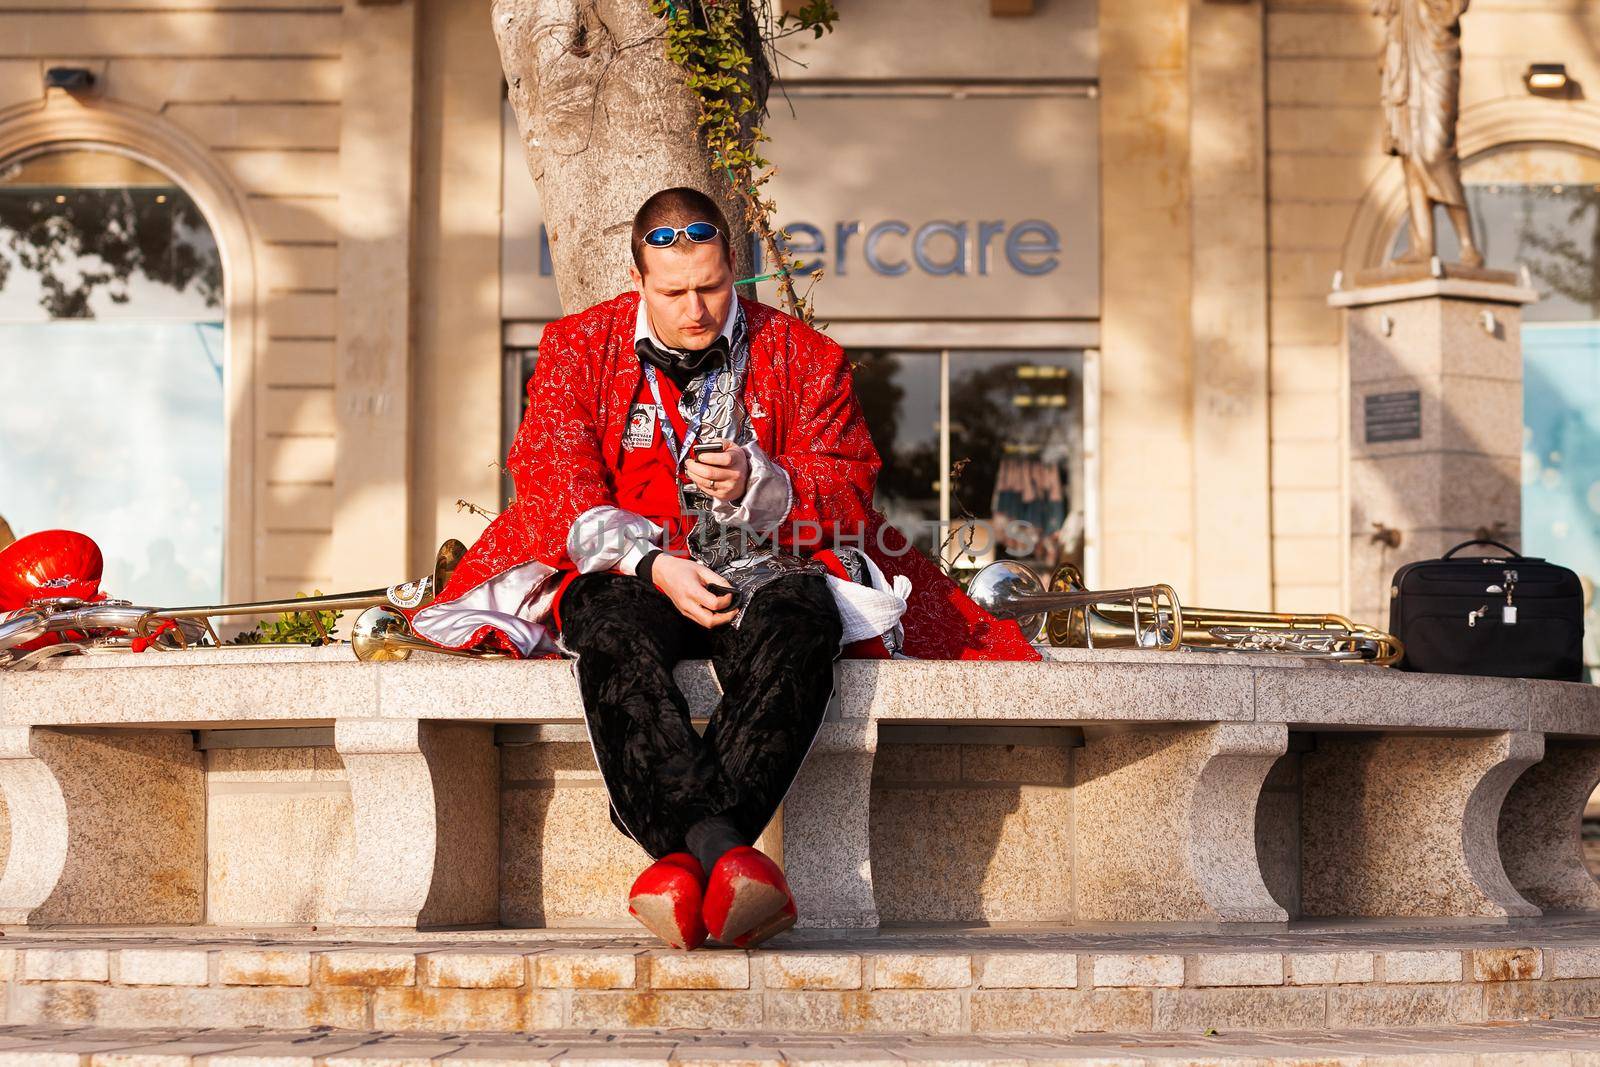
(984, 983)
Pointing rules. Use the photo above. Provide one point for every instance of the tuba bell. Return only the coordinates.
(1150, 617)
(383, 636)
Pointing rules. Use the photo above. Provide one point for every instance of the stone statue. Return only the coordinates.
(1421, 99)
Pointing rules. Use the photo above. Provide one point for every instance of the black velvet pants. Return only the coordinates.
(776, 672)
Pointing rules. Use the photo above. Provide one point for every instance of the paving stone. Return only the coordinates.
(902, 971)
(1330, 968)
(1029, 970)
(919, 1011)
(229, 1006)
(1506, 964)
(1413, 967)
(808, 970)
(1237, 969)
(1197, 1010)
(1397, 1005)
(366, 968)
(394, 1053)
(1138, 970)
(434, 1010)
(640, 1011)
(1060, 1011)
(157, 966)
(490, 1055)
(731, 1056)
(66, 965)
(1533, 1000)
(264, 967)
(591, 970)
(299, 1053)
(700, 970)
(472, 970)
(1573, 962)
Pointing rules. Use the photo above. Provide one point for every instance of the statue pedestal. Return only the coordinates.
(1435, 384)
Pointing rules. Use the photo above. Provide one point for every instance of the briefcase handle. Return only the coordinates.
(1513, 552)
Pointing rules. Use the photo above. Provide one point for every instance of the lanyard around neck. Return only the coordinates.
(668, 434)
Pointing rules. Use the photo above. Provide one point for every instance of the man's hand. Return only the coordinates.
(684, 581)
(720, 475)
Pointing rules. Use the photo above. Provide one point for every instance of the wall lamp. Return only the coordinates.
(1546, 79)
(71, 79)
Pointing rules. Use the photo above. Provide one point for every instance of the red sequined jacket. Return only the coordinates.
(804, 412)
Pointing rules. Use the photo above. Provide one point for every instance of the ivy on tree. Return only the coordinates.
(728, 49)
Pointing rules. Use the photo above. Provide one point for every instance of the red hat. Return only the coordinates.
(47, 565)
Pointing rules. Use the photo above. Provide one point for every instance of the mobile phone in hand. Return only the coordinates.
(703, 448)
(724, 590)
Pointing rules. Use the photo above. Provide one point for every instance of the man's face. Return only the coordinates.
(687, 290)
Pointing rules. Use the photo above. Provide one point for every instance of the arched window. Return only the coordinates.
(111, 368)
(1537, 205)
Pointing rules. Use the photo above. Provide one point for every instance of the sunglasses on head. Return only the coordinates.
(698, 232)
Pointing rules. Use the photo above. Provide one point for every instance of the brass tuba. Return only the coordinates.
(1150, 617)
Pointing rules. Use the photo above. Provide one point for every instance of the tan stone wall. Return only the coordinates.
(266, 93)
(972, 832)
(455, 384)
(1324, 126)
(278, 835)
(260, 90)
(1146, 431)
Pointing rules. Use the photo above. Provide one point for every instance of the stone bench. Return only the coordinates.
(211, 786)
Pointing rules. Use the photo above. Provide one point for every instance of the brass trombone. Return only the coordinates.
(405, 595)
(1150, 617)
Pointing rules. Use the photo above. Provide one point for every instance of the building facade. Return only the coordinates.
(271, 285)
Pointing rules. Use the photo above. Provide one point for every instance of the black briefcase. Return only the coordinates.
(1501, 615)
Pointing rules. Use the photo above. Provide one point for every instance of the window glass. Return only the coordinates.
(1549, 227)
(1014, 446)
(899, 395)
(515, 375)
(1016, 449)
(1538, 206)
(111, 355)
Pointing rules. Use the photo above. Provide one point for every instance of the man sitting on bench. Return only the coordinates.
(692, 473)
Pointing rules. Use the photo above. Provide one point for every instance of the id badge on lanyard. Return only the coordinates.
(670, 435)
(704, 542)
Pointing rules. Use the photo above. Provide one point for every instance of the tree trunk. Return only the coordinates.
(605, 121)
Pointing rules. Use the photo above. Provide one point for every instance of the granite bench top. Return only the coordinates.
(316, 686)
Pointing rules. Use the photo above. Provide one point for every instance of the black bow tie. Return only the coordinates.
(685, 362)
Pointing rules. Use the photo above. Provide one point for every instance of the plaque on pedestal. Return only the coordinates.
(1434, 358)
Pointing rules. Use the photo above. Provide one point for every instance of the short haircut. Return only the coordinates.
(676, 207)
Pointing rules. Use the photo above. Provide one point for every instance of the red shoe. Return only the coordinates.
(771, 928)
(667, 899)
(747, 899)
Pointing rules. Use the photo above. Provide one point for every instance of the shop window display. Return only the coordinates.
(1004, 478)
(1014, 444)
(111, 357)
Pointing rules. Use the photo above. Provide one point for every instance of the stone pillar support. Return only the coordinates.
(38, 814)
(106, 827)
(1165, 823)
(827, 839)
(1435, 384)
(1541, 828)
(1407, 825)
(425, 800)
